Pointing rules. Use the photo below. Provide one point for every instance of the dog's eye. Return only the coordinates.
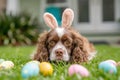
(52, 43)
(67, 43)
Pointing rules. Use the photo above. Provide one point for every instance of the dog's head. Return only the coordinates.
(60, 39)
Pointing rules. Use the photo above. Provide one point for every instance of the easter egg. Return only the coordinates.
(6, 65)
(30, 70)
(112, 62)
(1, 60)
(46, 68)
(108, 67)
(78, 69)
(34, 61)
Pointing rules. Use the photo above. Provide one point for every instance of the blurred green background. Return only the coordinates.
(21, 20)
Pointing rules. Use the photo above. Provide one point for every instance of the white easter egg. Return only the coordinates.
(6, 65)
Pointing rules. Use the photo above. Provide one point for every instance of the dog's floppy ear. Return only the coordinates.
(41, 53)
(67, 17)
(50, 20)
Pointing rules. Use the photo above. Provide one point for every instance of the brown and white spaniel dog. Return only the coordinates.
(63, 43)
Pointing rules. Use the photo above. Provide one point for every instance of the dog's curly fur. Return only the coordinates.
(41, 52)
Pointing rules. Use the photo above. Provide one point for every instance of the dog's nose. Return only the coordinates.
(59, 52)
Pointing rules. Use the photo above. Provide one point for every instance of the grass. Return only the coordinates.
(20, 56)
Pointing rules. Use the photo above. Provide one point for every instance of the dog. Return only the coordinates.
(63, 43)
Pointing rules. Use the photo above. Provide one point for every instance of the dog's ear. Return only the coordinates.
(50, 20)
(67, 17)
(80, 50)
(41, 53)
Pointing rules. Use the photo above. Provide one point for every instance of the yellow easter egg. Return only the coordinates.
(46, 68)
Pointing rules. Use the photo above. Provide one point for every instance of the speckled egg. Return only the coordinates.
(78, 69)
(6, 65)
(112, 62)
(46, 68)
(108, 67)
(1, 60)
(30, 70)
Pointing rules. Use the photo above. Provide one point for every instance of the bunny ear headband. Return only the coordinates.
(67, 19)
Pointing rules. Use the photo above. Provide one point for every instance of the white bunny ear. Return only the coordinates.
(67, 17)
(50, 20)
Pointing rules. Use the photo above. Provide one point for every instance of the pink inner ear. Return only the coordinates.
(67, 18)
(50, 20)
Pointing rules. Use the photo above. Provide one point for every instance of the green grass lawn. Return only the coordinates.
(21, 55)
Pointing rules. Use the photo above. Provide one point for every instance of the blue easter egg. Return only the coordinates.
(108, 67)
(29, 70)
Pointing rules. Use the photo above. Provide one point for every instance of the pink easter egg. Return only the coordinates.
(78, 69)
(112, 62)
